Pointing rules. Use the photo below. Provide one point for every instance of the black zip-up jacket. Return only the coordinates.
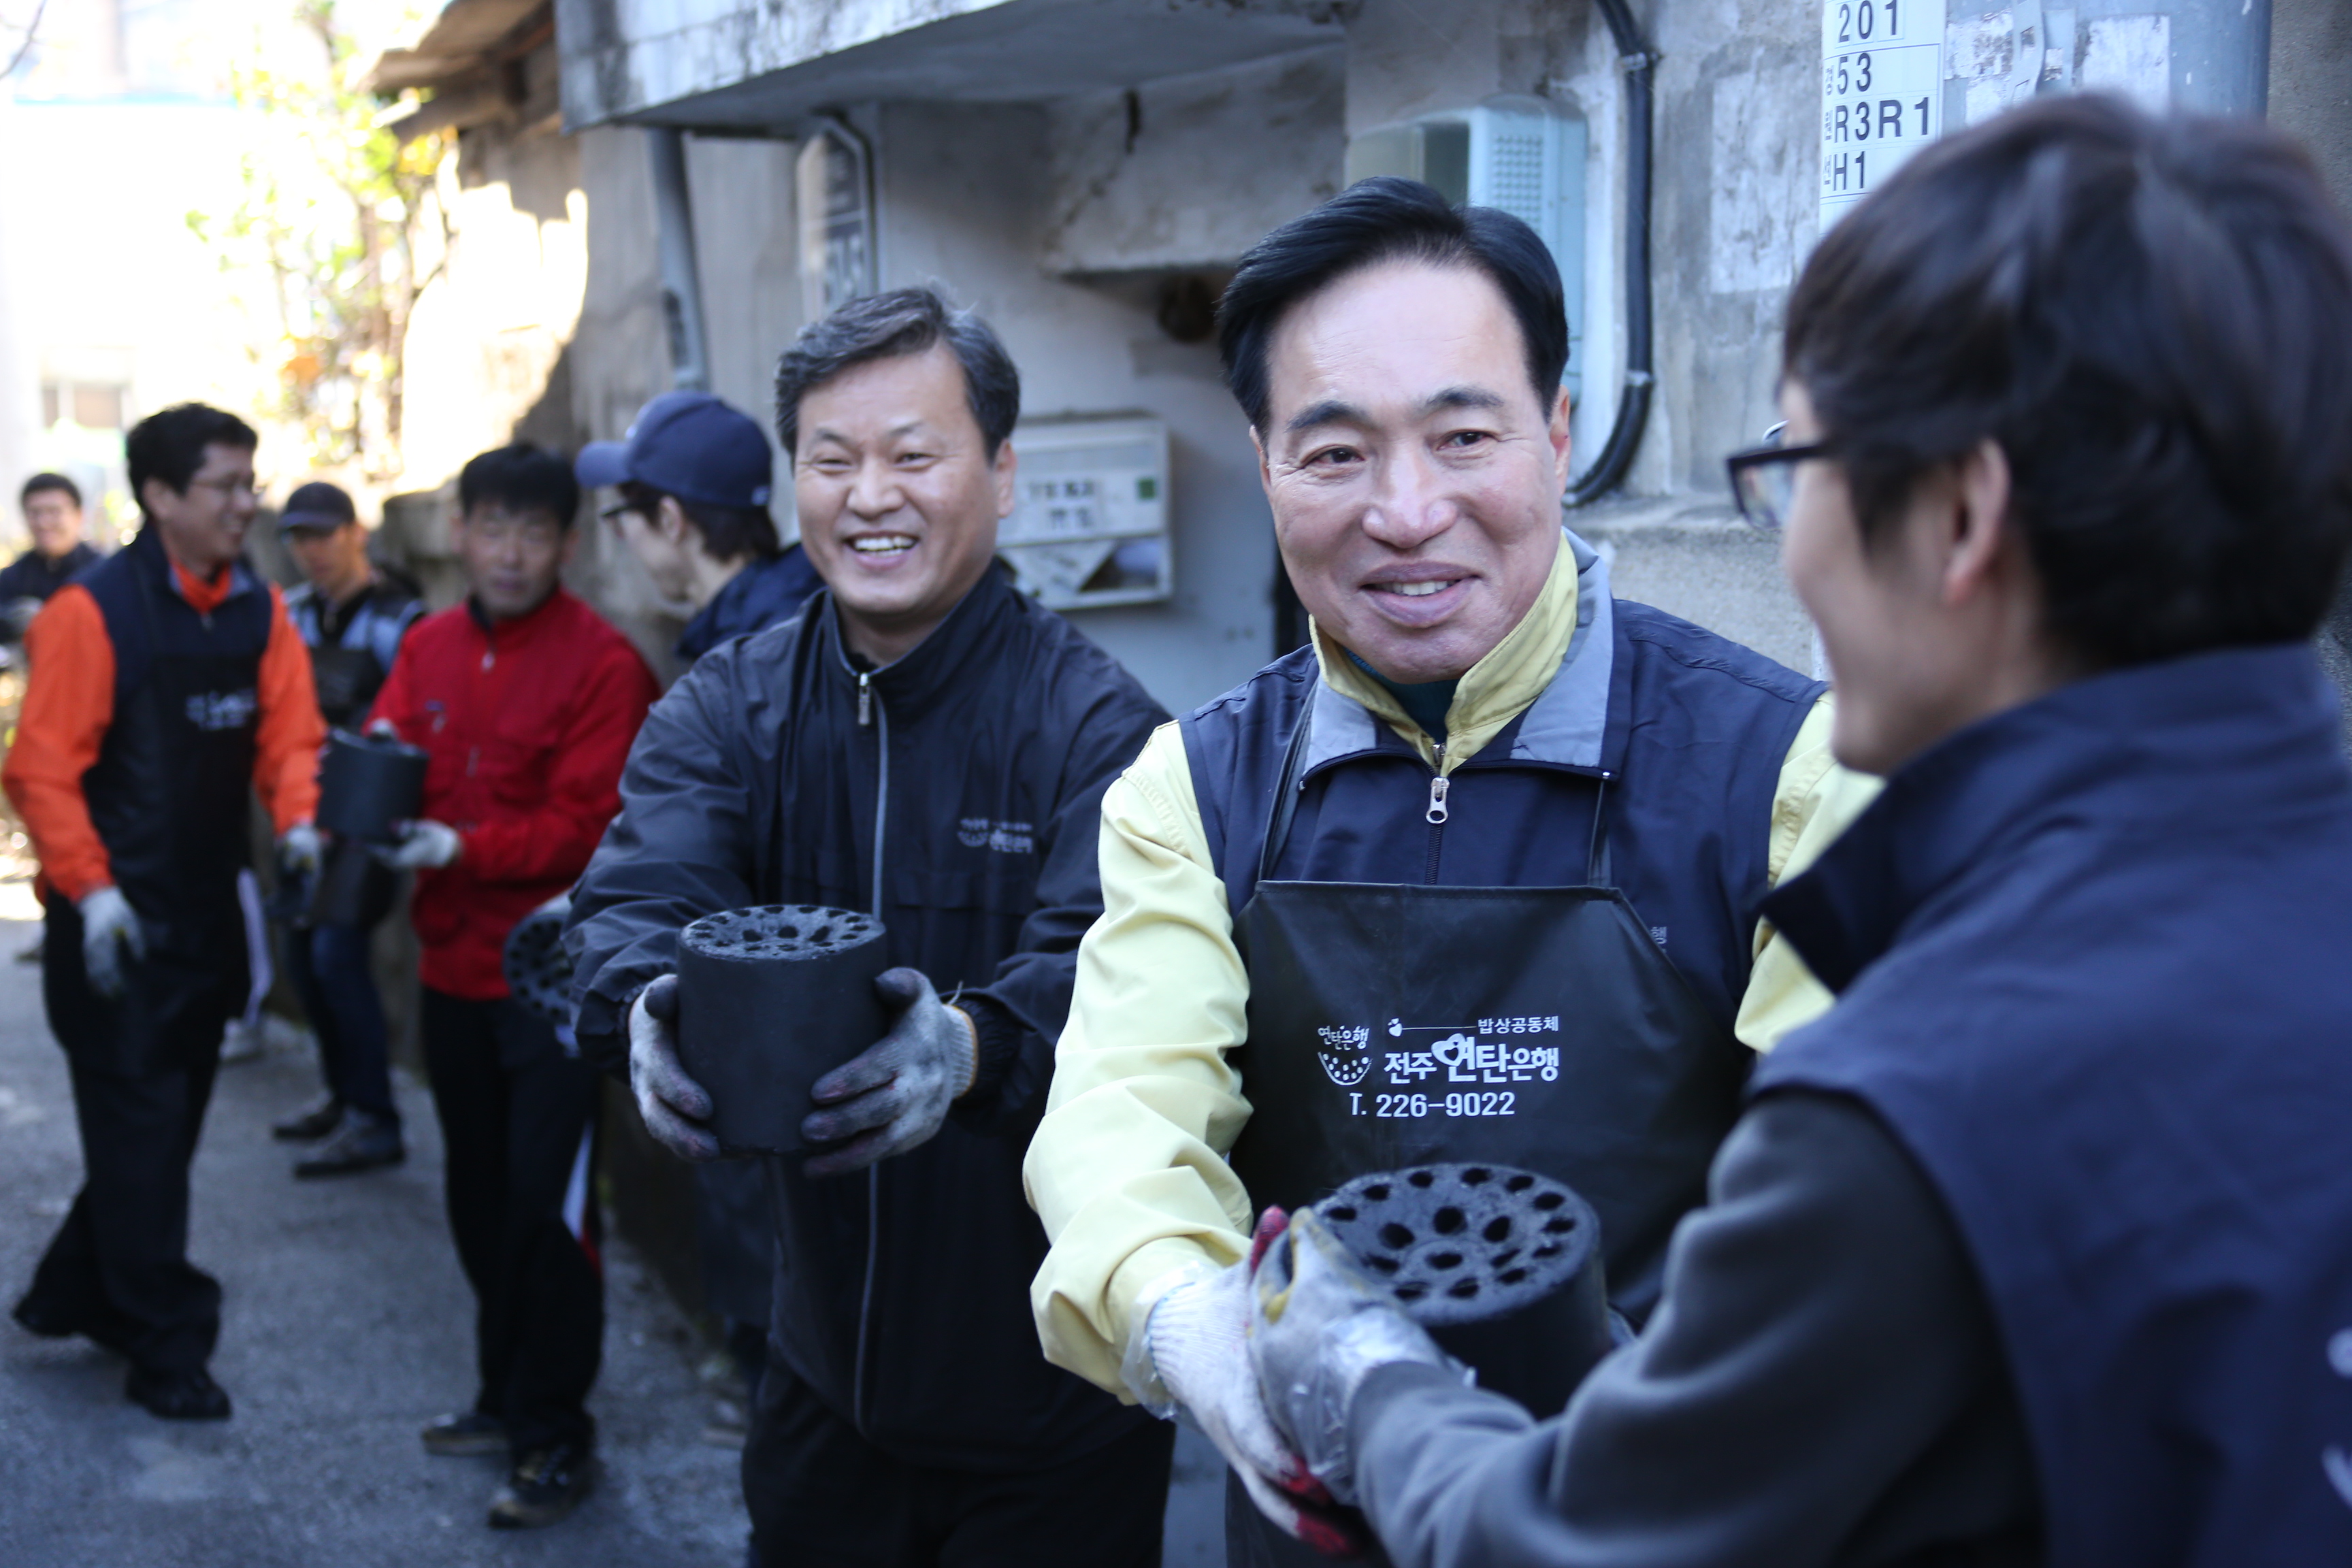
(958, 792)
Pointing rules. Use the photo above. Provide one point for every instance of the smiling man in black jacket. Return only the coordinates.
(923, 742)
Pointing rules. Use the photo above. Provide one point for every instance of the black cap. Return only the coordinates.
(317, 505)
(689, 445)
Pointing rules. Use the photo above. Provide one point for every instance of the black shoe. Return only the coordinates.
(50, 1322)
(312, 1122)
(545, 1487)
(54, 1322)
(178, 1396)
(360, 1144)
(469, 1432)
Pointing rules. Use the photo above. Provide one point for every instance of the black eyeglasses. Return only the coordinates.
(1764, 478)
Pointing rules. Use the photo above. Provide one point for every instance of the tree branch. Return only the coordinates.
(32, 36)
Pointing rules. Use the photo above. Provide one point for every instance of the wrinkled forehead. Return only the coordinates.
(895, 397)
(1399, 341)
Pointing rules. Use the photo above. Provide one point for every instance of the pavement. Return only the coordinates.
(346, 1327)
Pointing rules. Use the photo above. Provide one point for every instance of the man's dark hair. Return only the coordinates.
(1373, 222)
(521, 477)
(884, 326)
(2151, 317)
(40, 482)
(729, 533)
(170, 445)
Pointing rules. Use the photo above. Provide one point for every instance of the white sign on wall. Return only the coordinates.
(1882, 93)
(1089, 523)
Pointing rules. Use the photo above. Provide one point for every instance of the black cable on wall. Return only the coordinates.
(1638, 61)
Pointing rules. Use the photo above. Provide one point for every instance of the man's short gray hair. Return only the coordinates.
(884, 326)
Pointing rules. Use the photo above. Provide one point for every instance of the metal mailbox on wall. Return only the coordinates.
(1089, 523)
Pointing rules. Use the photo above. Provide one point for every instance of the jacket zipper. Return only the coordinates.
(874, 1172)
(1437, 813)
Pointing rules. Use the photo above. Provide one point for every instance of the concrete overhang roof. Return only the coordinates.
(752, 64)
(460, 41)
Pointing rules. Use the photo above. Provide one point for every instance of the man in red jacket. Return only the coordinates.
(526, 702)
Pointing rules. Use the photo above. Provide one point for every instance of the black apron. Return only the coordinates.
(1401, 1023)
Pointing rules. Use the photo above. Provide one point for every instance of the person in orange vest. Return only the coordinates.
(167, 683)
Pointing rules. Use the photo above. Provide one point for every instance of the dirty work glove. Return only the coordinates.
(894, 1095)
(1196, 1342)
(424, 844)
(299, 846)
(674, 1106)
(108, 926)
(1319, 1324)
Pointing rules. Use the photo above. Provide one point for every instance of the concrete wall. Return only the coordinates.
(2311, 97)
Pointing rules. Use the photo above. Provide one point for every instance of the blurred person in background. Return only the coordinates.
(526, 702)
(52, 504)
(168, 684)
(352, 613)
(53, 516)
(694, 477)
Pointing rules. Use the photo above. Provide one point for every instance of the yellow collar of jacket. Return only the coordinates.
(1496, 690)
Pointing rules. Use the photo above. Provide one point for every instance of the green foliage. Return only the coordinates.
(345, 223)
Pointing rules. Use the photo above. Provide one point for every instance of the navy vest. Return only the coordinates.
(2096, 958)
(1687, 730)
(169, 791)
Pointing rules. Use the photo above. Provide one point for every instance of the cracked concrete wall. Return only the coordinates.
(1190, 172)
(967, 198)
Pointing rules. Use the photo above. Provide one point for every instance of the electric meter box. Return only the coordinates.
(1524, 155)
(1089, 523)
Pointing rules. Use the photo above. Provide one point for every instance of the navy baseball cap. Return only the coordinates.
(317, 505)
(689, 445)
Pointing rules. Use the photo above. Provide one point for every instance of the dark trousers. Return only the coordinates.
(821, 1495)
(142, 1075)
(518, 1124)
(329, 966)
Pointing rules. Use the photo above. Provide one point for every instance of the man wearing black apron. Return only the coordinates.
(1472, 877)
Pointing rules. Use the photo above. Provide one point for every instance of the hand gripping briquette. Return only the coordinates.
(366, 783)
(538, 970)
(1466, 1246)
(769, 999)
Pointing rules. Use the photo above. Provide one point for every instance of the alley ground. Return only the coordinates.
(345, 1329)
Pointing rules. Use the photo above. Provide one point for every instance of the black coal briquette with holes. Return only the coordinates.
(771, 999)
(538, 970)
(1502, 1266)
(367, 783)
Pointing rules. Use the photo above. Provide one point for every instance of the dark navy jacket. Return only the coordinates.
(761, 595)
(1687, 732)
(957, 792)
(2096, 963)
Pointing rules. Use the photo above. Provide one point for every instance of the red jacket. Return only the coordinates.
(528, 723)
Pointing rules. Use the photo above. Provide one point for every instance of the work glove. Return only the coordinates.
(108, 926)
(674, 1106)
(894, 1096)
(1319, 1324)
(299, 846)
(1197, 1363)
(423, 845)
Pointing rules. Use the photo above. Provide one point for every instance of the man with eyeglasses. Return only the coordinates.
(1473, 877)
(526, 702)
(167, 683)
